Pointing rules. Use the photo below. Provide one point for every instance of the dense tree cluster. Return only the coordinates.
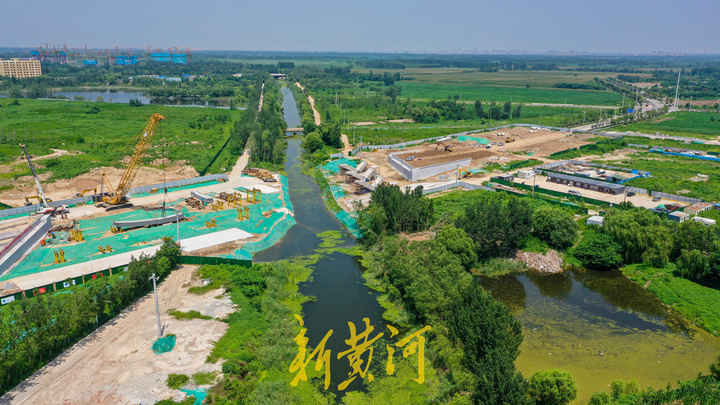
(392, 210)
(35, 330)
(473, 336)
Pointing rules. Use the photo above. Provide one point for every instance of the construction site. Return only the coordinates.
(69, 237)
(470, 157)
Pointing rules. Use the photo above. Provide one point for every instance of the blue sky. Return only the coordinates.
(605, 26)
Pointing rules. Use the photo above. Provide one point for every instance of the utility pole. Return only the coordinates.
(623, 104)
(677, 87)
(177, 220)
(584, 117)
(157, 305)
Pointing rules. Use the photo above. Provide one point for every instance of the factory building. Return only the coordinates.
(586, 183)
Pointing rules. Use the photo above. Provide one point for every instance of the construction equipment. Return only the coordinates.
(76, 235)
(44, 207)
(510, 138)
(194, 202)
(28, 198)
(211, 223)
(59, 256)
(217, 206)
(464, 174)
(447, 147)
(243, 213)
(82, 193)
(117, 196)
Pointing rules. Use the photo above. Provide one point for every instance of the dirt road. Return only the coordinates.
(316, 113)
(116, 365)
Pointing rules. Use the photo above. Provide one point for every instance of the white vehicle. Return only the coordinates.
(574, 192)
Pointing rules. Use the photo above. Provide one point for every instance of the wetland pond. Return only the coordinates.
(600, 326)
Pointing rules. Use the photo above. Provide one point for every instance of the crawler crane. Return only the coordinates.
(117, 196)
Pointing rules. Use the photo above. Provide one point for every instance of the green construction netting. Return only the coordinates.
(274, 235)
(286, 192)
(464, 138)
(350, 223)
(96, 232)
(337, 191)
(476, 171)
(198, 393)
(164, 345)
(334, 165)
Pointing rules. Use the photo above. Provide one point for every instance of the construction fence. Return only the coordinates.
(136, 190)
(82, 279)
(455, 184)
(549, 192)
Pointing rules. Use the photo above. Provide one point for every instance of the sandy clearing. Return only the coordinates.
(116, 365)
(363, 123)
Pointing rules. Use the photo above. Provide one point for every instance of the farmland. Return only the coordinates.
(103, 134)
(673, 174)
(522, 86)
(690, 124)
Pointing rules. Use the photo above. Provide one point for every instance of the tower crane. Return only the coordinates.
(117, 196)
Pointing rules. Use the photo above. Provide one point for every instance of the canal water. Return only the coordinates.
(290, 111)
(599, 326)
(124, 97)
(340, 296)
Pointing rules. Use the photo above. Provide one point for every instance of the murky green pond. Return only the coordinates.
(600, 326)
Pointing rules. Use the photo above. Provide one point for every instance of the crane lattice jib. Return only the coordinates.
(142, 146)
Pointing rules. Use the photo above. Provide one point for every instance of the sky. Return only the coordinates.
(599, 26)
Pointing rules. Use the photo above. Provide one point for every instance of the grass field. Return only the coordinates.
(693, 301)
(419, 90)
(522, 86)
(691, 124)
(672, 174)
(106, 137)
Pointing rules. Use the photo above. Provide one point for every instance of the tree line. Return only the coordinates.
(35, 330)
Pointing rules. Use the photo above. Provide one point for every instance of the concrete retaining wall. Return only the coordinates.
(419, 173)
(399, 165)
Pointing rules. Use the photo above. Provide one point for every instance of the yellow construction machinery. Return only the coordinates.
(37, 197)
(117, 196)
(510, 138)
(463, 174)
(445, 146)
(82, 193)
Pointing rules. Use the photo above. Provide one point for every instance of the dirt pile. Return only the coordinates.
(549, 263)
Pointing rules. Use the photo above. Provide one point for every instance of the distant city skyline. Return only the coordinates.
(460, 26)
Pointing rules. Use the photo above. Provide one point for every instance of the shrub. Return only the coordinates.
(175, 381)
(556, 387)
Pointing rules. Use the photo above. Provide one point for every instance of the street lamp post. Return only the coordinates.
(157, 305)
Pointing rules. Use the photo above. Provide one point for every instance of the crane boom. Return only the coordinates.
(118, 195)
(37, 180)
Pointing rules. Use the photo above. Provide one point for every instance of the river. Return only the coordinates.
(599, 326)
(337, 284)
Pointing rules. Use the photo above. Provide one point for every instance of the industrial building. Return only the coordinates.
(595, 220)
(16, 67)
(586, 183)
(705, 221)
(678, 216)
(697, 208)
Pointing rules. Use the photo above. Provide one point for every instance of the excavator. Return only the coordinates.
(510, 138)
(445, 146)
(36, 197)
(117, 196)
(82, 193)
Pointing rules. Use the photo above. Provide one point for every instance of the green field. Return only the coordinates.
(534, 94)
(691, 124)
(107, 136)
(441, 83)
(672, 174)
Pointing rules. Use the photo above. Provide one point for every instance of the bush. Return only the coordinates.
(552, 387)
(175, 381)
(555, 226)
(598, 251)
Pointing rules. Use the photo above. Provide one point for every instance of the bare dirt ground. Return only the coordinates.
(362, 123)
(347, 147)
(62, 189)
(116, 365)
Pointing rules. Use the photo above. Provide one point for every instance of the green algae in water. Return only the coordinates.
(600, 326)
